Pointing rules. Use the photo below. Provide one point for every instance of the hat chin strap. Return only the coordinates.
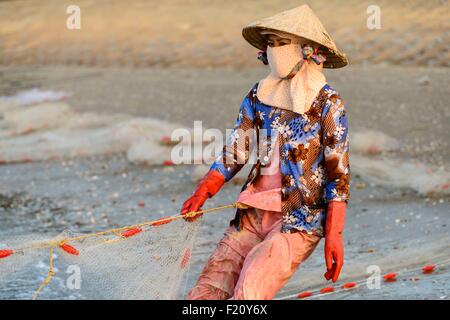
(294, 70)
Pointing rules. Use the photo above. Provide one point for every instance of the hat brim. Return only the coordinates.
(253, 35)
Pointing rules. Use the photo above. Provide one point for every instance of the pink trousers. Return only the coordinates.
(255, 262)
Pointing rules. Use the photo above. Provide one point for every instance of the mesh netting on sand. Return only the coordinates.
(143, 261)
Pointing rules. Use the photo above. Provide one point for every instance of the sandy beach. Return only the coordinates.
(203, 33)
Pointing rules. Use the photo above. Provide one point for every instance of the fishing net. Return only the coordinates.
(35, 127)
(143, 261)
(402, 174)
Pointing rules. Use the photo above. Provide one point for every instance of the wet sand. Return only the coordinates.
(392, 229)
(181, 61)
(407, 103)
(395, 229)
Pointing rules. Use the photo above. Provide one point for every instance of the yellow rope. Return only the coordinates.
(49, 277)
(53, 244)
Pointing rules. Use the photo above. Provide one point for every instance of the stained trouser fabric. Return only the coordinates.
(254, 262)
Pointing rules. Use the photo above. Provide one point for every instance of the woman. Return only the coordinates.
(295, 194)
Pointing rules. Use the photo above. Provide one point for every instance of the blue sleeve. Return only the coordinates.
(236, 151)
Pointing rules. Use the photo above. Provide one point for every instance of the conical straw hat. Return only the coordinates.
(301, 22)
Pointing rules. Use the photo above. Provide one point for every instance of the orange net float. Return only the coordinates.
(428, 269)
(6, 253)
(390, 277)
(26, 159)
(168, 163)
(161, 221)
(304, 294)
(166, 140)
(131, 232)
(326, 290)
(349, 285)
(69, 249)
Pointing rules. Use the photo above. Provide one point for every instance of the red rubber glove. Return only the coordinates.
(334, 247)
(207, 187)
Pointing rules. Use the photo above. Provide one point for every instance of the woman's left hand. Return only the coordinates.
(334, 247)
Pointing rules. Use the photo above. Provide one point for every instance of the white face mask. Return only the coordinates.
(283, 59)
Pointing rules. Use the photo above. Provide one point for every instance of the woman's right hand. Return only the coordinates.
(206, 188)
(193, 204)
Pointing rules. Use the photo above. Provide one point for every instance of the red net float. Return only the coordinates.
(141, 204)
(5, 253)
(326, 290)
(26, 159)
(131, 232)
(373, 150)
(161, 221)
(28, 130)
(349, 285)
(186, 258)
(304, 294)
(428, 269)
(390, 277)
(166, 140)
(168, 163)
(69, 249)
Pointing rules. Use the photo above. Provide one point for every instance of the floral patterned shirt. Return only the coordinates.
(314, 158)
